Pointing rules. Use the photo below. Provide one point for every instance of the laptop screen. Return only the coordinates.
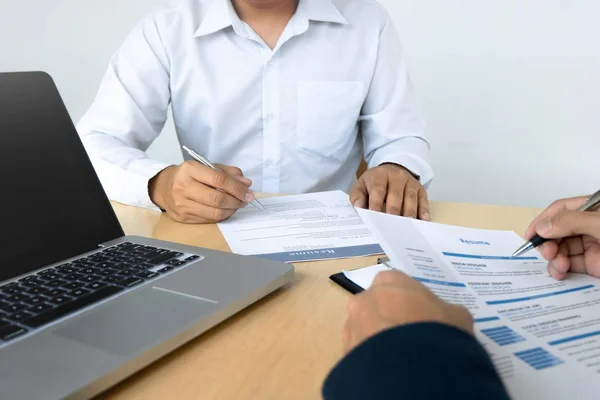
(52, 205)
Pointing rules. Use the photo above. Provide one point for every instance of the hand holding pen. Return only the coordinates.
(196, 193)
(567, 234)
(203, 160)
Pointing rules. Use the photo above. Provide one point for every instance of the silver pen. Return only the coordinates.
(537, 240)
(205, 161)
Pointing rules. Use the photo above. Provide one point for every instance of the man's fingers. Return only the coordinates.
(568, 223)
(578, 265)
(411, 201)
(216, 199)
(219, 180)
(229, 170)
(530, 232)
(570, 256)
(395, 199)
(206, 195)
(559, 205)
(570, 246)
(549, 250)
(559, 276)
(423, 205)
(561, 264)
(192, 212)
(399, 280)
(377, 192)
(245, 181)
(574, 246)
(236, 173)
(391, 278)
(359, 197)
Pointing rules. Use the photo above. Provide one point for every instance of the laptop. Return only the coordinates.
(82, 305)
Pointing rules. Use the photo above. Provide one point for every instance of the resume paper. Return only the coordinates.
(307, 227)
(543, 335)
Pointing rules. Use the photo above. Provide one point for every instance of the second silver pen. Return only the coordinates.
(203, 160)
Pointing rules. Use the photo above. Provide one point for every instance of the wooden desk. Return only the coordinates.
(283, 346)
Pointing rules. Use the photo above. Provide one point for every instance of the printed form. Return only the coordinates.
(543, 335)
(307, 227)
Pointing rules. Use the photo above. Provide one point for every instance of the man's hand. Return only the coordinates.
(188, 192)
(576, 238)
(395, 186)
(395, 299)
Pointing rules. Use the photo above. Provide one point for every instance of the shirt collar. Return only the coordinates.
(320, 10)
(221, 15)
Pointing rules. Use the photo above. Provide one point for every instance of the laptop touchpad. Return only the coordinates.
(137, 320)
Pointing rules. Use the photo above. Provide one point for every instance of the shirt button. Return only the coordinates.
(271, 62)
(269, 117)
(270, 161)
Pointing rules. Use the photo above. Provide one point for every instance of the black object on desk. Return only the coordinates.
(347, 284)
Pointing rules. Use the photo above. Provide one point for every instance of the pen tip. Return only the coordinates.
(525, 248)
(257, 204)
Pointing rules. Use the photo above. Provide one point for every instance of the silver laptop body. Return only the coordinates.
(82, 306)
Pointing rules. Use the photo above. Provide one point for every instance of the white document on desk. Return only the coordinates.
(307, 227)
(543, 335)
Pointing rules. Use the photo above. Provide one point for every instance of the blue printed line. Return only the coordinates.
(511, 341)
(443, 283)
(539, 358)
(478, 257)
(507, 336)
(503, 335)
(324, 254)
(572, 338)
(539, 296)
(488, 319)
(500, 333)
(537, 350)
(550, 363)
(498, 329)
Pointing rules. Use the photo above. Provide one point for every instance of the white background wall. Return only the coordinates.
(510, 88)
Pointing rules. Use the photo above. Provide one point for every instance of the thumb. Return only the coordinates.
(570, 223)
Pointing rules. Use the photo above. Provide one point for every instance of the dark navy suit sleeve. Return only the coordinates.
(418, 361)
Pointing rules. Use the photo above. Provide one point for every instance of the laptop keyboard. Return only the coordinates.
(37, 300)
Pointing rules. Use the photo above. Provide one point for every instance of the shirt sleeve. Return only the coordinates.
(417, 361)
(391, 120)
(127, 115)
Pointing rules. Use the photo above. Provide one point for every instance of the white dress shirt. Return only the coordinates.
(288, 117)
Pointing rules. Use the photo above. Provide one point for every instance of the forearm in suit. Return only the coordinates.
(418, 361)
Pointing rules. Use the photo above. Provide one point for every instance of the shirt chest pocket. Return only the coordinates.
(327, 116)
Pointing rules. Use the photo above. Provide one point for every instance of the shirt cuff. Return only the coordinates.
(413, 158)
(145, 170)
(130, 186)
